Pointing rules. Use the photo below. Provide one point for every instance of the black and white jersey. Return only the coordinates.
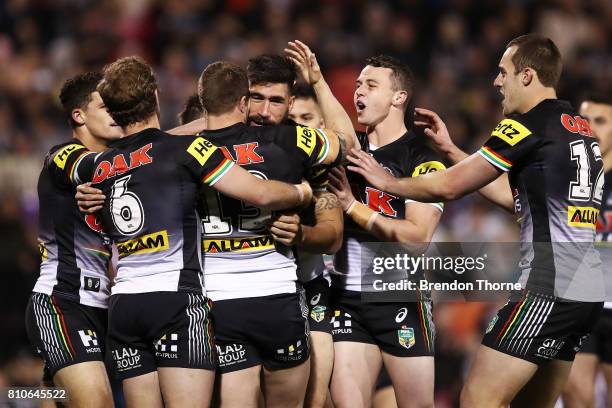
(241, 258)
(74, 253)
(556, 176)
(408, 156)
(151, 180)
(604, 223)
(604, 235)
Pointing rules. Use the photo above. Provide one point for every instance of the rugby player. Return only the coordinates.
(271, 78)
(305, 110)
(160, 334)
(316, 230)
(556, 175)
(398, 334)
(66, 316)
(596, 352)
(250, 271)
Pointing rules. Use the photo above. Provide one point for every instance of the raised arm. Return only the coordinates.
(334, 115)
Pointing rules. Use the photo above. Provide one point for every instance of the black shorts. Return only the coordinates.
(269, 330)
(540, 328)
(64, 332)
(403, 329)
(600, 340)
(319, 309)
(159, 329)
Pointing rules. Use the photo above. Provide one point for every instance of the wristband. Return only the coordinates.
(362, 215)
(350, 207)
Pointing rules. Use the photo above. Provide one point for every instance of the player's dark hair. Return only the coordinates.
(272, 69)
(221, 86)
(602, 97)
(539, 53)
(76, 93)
(191, 111)
(402, 77)
(304, 91)
(128, 90)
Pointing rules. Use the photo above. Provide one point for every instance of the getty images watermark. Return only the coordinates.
(412, 265)
(455, 271)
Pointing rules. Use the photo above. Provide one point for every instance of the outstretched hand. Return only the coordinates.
(435, 128)
(370, 169)
(305, 61)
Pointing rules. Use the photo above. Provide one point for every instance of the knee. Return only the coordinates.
(579, 394)
(95, 396)
(471, 398)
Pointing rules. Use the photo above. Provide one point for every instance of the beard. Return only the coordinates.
(259, 121)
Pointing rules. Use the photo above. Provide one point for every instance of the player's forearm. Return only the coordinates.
(191, 128)
(276, 195)
(453, 154)
(323, 238)
(499, 193)
(430, 188)
(465, 177)
(334, 115)
(403, 231)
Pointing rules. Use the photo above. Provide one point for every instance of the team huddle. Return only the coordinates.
(217, 292)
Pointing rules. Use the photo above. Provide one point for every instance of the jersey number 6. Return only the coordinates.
(126, 209)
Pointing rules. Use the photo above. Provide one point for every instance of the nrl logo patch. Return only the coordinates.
(318, 313)
(405, 336)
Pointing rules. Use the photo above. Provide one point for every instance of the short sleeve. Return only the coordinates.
(71, 165)
(318, 178)
(510, 143)
(426, 162)
(205, 161)
(312, 144)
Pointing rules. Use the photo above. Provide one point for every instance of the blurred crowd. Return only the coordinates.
(453, 47)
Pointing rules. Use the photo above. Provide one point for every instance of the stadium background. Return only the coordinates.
(453, 46)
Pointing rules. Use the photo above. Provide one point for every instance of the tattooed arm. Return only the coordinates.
(323, 237)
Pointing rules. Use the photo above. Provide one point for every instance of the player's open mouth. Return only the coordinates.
(360, 106)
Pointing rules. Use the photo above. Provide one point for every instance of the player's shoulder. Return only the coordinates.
(549, 112)
(72, 142)
(294, 137)
(59, 153)
(422, 158)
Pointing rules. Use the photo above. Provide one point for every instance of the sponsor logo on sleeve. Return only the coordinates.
(510, 131)
(62, 155)
(201, 150)
(427, 167)
(306, 139)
